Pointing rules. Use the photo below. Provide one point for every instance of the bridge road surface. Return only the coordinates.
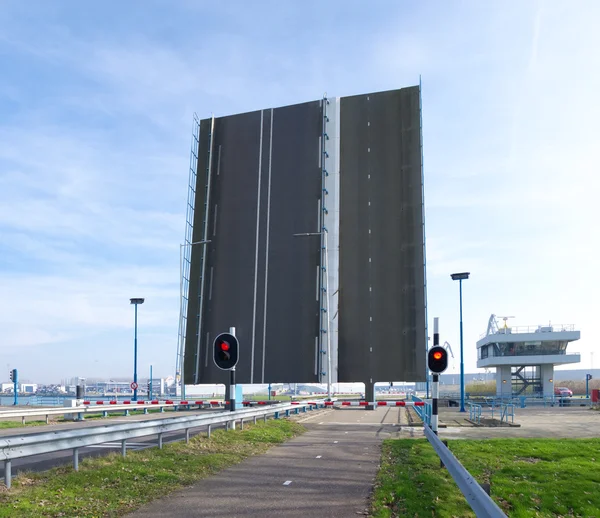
(328, 471)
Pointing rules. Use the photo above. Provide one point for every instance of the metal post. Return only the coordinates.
(269, 392)
(181, 345)
(7, 473)
(232, 390)
(435, 379)
(76, 459)
(427, 373)
(208, 431)
(15, 387)
(587, 391)
(150, 393)
(187, 435)
(160, 441)
(123, 448)
(232, 381)
(462, 362)
(135, 355)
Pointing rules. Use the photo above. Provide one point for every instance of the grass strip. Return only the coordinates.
(113, 486)
(18, 424)
(528, 477)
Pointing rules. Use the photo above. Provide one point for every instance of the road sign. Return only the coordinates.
(225, 351)
(134, 385)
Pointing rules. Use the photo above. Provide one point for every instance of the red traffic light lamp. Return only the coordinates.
(225, 351)
(437, 359)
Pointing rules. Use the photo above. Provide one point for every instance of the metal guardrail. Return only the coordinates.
(82, 410)
(17, 446)
(481, 503)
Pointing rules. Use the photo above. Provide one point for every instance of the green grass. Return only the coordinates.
(17, 424)
(265, 397)
(529, 478)
(113, 486)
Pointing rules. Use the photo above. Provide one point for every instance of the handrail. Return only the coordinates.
(551, 328)
(17, 446)
(481, 503)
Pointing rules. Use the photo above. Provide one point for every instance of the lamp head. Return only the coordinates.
(136, 301)
(459, 276)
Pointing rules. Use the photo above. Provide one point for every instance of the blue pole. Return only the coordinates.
(150, 395)
(427, 371)
(462, 364)
(587, 381)
(15, 388)
(135, 355)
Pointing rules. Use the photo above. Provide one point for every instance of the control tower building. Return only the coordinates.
(525, 356)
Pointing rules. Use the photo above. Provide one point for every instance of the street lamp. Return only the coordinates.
(135, 302)
(181, 345)
(460, 277)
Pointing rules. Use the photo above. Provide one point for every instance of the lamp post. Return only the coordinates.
(135, 302)
(460, 277)
(181, 345)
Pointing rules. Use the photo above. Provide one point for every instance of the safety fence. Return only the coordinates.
(502, 411)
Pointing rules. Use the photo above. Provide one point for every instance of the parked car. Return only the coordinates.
(563, 392)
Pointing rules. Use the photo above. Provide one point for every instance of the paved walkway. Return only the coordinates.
(327, 472)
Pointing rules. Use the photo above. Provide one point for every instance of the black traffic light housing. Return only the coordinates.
(437, 359)
(226, 351)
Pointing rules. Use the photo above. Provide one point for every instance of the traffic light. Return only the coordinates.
(11, 373)
(225, 351)
(588, 377)
(437, 359)
(149, 388)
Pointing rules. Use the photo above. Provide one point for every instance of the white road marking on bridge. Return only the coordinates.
(287, 482)
(335, 442)
(267, 252)
(256, 248)
(318, 457)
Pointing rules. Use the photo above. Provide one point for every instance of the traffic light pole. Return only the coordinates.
(435, 384)
(232, 380)
(15, 387)
(232, 390)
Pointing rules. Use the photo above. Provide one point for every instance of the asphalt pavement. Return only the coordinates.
(327, 472)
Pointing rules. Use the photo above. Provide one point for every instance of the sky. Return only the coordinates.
(96, 106)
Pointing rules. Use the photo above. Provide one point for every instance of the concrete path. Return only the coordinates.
(327, 472)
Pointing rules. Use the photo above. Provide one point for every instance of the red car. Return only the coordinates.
(563, 392)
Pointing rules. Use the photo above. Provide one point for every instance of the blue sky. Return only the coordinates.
(96, 104)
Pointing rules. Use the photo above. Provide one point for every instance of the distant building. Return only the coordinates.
(525, 356)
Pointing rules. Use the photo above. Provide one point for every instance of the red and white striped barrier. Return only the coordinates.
(375, 403)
